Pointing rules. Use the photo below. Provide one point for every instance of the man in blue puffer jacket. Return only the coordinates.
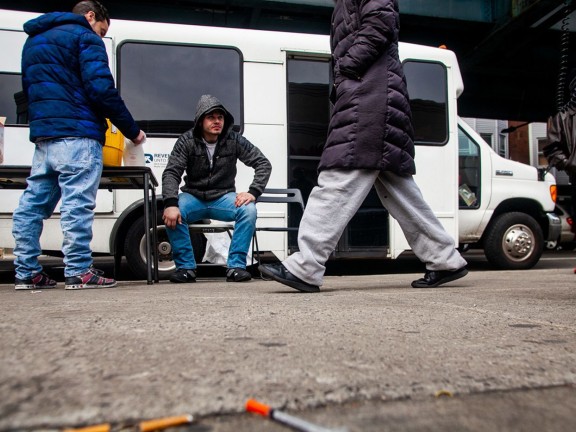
(71, 92)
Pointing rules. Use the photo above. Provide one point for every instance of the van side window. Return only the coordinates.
(13, 104)
(161, 83)
(428, 90)
(469, 192)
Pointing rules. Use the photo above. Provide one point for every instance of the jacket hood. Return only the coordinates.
(54, 19)
(206, 104)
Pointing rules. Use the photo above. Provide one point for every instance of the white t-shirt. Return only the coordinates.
(210, 147)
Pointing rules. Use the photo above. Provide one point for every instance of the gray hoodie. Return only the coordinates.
(207, 183)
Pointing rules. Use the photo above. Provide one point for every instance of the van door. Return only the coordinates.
(371, 232)
(308, 117)
(17, 149)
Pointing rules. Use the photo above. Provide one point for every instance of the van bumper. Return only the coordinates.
(554, 227)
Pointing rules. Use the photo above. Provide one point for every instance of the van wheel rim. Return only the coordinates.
(518, 243)
(164, 250)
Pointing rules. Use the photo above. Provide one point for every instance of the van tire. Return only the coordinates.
(135, 249)
(513, 241)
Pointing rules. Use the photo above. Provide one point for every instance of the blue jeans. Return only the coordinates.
(223, 209)
(67, 168)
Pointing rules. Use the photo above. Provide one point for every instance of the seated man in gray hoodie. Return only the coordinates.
(208, 153)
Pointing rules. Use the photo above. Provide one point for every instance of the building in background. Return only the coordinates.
(526, 142)
(519, 141)
(491, 132)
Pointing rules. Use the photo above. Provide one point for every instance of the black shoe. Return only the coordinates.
(280, 274)
(237, 275)
(432, 278)
(183, 276)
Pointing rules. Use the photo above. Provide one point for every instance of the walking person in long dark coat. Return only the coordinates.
(370, 142)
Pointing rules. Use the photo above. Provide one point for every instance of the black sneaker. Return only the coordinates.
(38, 281)
(279, 273)
(93, 278)
(432, 279)
(183, 276)
(238, 275)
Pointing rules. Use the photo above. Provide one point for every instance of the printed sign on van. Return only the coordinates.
(160, 160)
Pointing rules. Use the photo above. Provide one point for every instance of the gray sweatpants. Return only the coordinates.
(335, 201)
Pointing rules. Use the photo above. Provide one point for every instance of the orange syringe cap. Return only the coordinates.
(257, 407)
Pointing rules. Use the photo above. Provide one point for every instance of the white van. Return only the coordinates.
(276, 85)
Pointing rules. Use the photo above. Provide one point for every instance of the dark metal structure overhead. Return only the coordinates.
(509, 50)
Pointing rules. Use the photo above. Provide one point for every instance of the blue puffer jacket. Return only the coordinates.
(370, 126)
(66, 76)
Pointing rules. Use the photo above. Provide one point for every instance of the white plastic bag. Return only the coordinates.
(217, 245)
(133, 154)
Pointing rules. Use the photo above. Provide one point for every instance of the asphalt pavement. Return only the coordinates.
(494, 351)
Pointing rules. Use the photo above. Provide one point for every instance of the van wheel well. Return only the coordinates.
(128, 220)
(132, 246)
(522, 205)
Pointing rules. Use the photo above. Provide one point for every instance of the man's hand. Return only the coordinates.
(171, 217)
(140, 139)
(244, 198)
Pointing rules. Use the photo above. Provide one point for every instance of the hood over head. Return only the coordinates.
(206, 105)
(54, 19)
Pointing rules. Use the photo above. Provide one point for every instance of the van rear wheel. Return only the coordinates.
(135, 249)
(513, 241)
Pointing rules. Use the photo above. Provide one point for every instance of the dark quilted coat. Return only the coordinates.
(66, 77)
(371, 125)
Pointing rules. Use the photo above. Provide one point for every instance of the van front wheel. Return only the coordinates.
(513, 241)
